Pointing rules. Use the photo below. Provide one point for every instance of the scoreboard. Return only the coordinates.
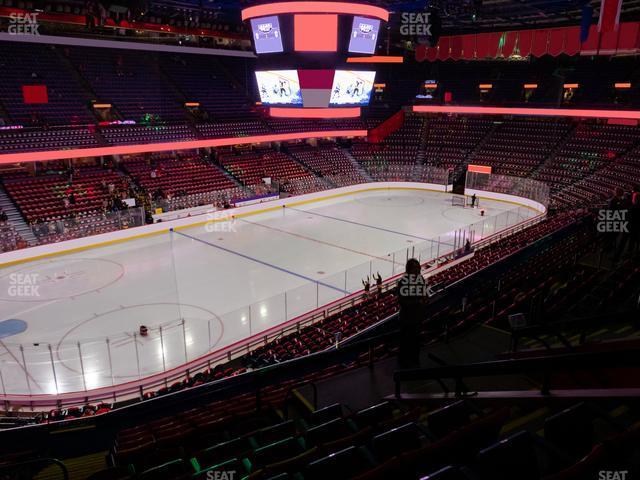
(302, 50)
(315, 88)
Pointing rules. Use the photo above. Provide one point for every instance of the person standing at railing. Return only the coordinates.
(366, 283)
(378, 279)
(616, 204)
(625, 231)
(412, 296)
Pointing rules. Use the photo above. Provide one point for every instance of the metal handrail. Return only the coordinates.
(541, 364)
(6, 468)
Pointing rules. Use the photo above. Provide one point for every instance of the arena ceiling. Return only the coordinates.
(458, 16)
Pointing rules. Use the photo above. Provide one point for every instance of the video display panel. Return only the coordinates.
(279, 87)
(351, 87)
(364, 35)
(266, 34)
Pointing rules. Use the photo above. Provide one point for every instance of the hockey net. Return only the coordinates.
(463, 201)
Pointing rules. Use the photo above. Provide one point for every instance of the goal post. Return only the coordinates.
(458, 201)
(464, 201)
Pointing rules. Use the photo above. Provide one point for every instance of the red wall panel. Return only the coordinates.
(443, 48)
(35, 94)
(456, 47)
(482, 45)
(468, 46)
(525, 39)
(494, 44)
(509, 43)
(540, 44)
(432, 54)
(629, 39)
(572, 41)
(387, 127)
(590, 46)
(556, 41)
(608, 42)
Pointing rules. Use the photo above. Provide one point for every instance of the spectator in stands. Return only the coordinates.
(412, 295)
(366, 284)
(118, 204)
(467, 247)
(93, 15)
(70, 172)
(623, 238)
(3, 217)
(36, 120)
(158, 194)
(378, 279)
(616, 203)
(556, 289)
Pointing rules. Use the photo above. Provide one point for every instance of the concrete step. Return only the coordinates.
(16, 219)
(358, 165)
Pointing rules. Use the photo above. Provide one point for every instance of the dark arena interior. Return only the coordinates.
(264, 239)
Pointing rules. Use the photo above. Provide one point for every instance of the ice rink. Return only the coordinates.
(67, 323)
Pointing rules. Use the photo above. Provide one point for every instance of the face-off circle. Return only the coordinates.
(59, 279)
(201, 332)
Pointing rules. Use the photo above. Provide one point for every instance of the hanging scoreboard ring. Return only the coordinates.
(342, 8)
(306, 51)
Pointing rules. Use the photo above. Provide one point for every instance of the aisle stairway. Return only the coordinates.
(15, 218)
(358, 165)
(557, 148)
(461, 169)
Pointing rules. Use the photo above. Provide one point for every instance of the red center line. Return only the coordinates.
(385, 259)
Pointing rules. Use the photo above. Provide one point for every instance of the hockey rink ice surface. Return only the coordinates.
(67, 322)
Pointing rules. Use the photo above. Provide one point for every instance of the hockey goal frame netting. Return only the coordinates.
(463, 201)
